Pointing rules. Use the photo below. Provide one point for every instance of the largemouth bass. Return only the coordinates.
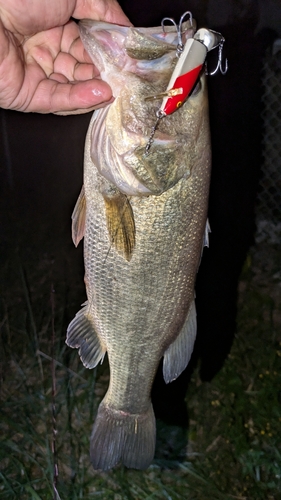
(143, 217)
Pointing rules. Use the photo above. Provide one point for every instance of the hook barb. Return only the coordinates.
(178, 28)
(219, 63)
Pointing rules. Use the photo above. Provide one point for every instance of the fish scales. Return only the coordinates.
(140, 300)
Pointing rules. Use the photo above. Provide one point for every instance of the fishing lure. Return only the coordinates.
(192, 57)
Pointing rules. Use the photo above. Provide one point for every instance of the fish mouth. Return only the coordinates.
(118, 43)
(117, 51)
(99, 42)
(169, 36)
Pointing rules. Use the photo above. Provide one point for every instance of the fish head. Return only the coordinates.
(118, 50)
(138, 63)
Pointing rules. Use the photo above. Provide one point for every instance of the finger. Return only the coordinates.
(48, 39)
(82, 111)
(77, 50)
(52, 96)
(57, 50)
(84, 72)
(68, 66)
(65, 64)
(58, 77)
(72, 43)
(69, 36)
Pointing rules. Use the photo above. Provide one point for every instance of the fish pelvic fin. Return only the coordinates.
(120, 437)
(178, 354)
(120, 223)
(81, 335)
(79, 218)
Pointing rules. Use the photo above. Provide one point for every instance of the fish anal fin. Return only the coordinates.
(121, 437)
(81, 335)
(79, 218)
(178, 354)
(120, 223)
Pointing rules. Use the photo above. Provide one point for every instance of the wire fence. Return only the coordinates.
(268, 209)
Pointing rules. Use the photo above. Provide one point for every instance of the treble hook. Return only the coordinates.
(219, 64)
(178, 28)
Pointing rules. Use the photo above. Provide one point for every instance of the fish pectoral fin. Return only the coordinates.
(120, 223)
(178, 354)
(79, 218)
(81, 335)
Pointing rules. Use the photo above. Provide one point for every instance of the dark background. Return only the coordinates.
(41, 167)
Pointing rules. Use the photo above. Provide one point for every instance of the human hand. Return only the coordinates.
(43, 65)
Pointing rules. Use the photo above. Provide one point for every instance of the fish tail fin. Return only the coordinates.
(122, 437)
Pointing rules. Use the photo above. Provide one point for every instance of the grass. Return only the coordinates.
(234, 439)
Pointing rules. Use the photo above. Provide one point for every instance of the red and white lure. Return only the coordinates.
(192, 57)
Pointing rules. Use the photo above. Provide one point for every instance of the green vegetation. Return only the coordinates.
(234, 438)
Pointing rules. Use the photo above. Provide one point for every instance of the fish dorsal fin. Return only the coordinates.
(79, 218)
(178, 354)
(120, 223)
(81, 335)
